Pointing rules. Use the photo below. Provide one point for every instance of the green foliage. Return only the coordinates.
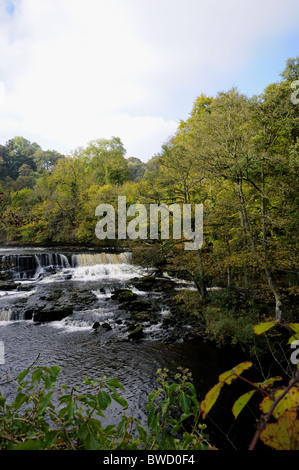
(229, 320)
(45, 416)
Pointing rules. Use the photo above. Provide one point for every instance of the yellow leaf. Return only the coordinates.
(294, 327)
(293, 338)
(283, 435)
(288, 402)
(230, 375)
(262, 327)
(210, 399)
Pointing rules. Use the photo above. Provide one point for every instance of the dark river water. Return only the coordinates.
(80, 350)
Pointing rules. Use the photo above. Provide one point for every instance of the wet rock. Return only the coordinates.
(146, 283)
(28, 313)
(123, 295)
(144, 316)
(8, 285)
(52, 296)
(50, 314)
(105, 326)
(137, 306)
(137, 333)
(24, 288)
(82, 299)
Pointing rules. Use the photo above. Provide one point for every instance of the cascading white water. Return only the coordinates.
(44, 265)
(5, 315)
(82, 260)
(103, 265)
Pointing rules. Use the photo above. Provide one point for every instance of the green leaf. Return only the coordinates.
(49, 440)
(22, 375)
(210, 399)
(142, 433)
(173, 388)
(150, 417)
(44, 403)
(195, 401)
(121, 427)
(19, 400)
(155, 423)
(92, 442)
(164, 406)
(241, 403)
(2, 401)
(120, 400)
(114, 383)
(83, 432)
(37, 375)
(70, 410)
(49, 381)
(185, 416)
(262, 327)
(109, 430)
(185, 403)
(29, 445)
(103, 400)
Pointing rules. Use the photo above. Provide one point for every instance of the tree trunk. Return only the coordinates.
(200, 283)
(243, 220)
(269, 277)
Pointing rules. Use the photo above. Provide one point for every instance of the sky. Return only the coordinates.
(72, 71)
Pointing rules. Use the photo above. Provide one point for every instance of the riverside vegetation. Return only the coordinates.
(237, 156)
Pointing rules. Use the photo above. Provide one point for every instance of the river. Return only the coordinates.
(89, 278)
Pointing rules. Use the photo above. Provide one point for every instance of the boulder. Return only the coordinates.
(57, 313)
(105, 326)
(143, 316)
(137, 333)
(8, 285)
(146, 283)
(123, 295)
(137, 306)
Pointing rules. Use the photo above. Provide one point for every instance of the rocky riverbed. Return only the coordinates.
(134, 308)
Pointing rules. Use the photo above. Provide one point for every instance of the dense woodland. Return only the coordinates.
(236, 155)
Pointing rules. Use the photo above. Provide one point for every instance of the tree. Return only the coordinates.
(46, 160)
(136, 168)
(19, 151)
(106, 158)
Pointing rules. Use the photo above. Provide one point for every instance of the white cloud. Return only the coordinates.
(75, 70)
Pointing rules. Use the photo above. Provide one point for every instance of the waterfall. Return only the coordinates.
(5, 315)
(36, 266)
(82, 260)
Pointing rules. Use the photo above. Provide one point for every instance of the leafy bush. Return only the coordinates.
(227, 327)
(45, 416)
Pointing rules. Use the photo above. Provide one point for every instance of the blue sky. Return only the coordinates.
(9, 6)
(76, 70)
